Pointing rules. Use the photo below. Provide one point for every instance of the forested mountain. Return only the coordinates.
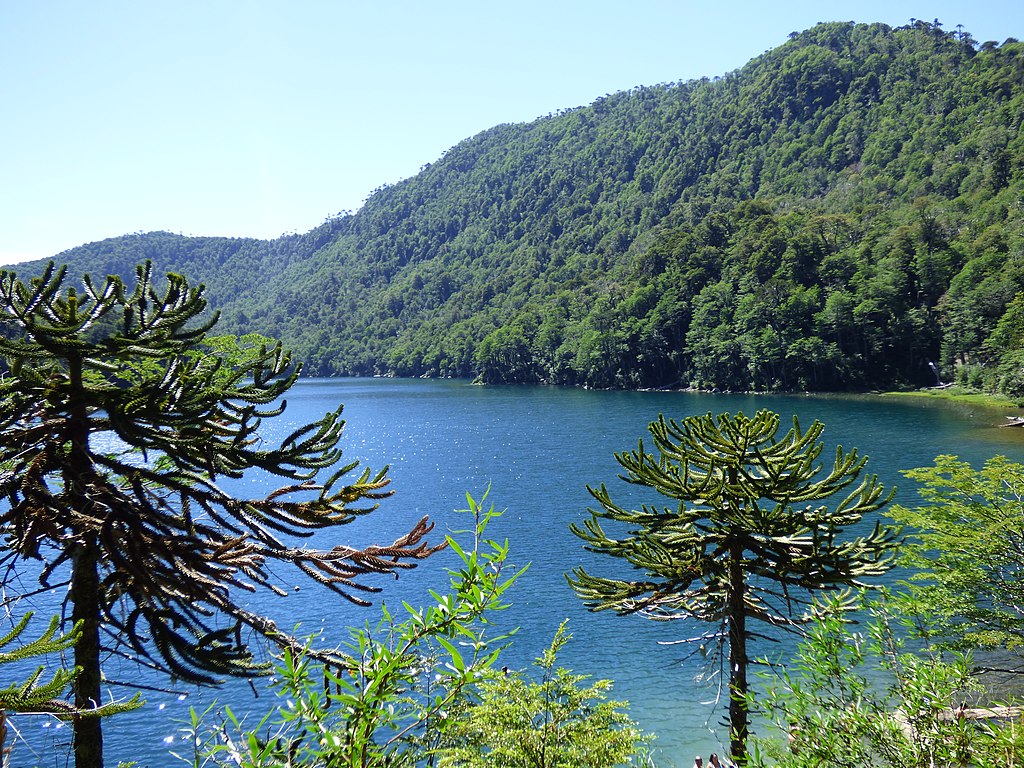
(839, 213)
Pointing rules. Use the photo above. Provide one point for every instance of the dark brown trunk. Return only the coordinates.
(738, 721)
(85, 581)
(85, 586)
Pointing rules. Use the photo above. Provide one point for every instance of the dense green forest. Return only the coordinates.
(845, 211)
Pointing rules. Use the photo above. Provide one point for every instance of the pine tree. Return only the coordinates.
(120, 416)
(747, 539)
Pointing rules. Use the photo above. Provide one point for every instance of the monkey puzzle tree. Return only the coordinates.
(747, 538)
(119, 418)
(35, 695)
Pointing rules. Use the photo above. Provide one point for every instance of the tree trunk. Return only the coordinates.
(738, 720)
(85, 591)
(3, 739)
(85, 586)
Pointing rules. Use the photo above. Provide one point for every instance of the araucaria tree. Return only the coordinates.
(747, 539)
(119, 417)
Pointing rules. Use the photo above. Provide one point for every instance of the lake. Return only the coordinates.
(536, 449)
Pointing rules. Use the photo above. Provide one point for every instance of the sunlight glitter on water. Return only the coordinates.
(547, 445)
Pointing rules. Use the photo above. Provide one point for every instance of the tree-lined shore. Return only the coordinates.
(840, 213)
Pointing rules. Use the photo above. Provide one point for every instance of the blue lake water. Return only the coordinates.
(536, 448)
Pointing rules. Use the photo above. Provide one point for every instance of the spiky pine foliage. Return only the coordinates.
(119, 416)
(747, 538)
(36, 695)
(31, 695)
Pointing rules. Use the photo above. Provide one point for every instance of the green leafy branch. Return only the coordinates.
(397, 692)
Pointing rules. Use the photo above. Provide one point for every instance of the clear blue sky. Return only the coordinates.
(256, 118)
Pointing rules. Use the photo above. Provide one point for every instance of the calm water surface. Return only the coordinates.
(537, 448)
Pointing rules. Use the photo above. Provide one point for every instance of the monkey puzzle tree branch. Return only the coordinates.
(120, 415)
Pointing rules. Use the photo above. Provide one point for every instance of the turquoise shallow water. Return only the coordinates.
(537, 448)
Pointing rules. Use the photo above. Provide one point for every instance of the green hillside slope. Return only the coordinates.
(839, 213)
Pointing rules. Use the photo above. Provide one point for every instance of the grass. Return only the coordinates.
(961, 395)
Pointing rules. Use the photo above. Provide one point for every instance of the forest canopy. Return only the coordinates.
(843, 212)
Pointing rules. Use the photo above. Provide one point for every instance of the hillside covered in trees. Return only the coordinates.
(842, 212)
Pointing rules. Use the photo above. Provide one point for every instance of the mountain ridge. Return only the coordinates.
(837, 213)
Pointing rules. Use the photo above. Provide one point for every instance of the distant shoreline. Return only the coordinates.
(949, 392)
(959, 394)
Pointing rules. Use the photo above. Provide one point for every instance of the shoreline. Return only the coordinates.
(949, 392)
(959, 394)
